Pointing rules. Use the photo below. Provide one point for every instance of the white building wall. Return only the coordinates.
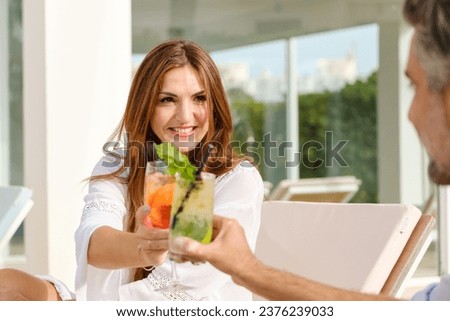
(77, 69)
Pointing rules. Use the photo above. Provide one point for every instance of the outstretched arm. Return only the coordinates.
(112, 249)
(230, 253)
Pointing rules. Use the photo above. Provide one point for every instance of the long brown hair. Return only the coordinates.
(135, 125)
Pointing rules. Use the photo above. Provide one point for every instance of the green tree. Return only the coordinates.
(357, 123)
(313, 123)
(348, 115)
(248, 124)
(252, 121)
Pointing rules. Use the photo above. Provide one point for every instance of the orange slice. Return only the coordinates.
(163, 196)
(160, 202)
(160, 216)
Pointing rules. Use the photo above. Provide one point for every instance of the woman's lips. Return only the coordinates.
(183, 131)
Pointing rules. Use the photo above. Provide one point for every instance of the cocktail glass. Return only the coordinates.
(158, 194)
(191, 216)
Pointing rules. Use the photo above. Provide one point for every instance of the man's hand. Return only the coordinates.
(228, 251)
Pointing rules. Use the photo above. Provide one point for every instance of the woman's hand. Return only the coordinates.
(152, 250)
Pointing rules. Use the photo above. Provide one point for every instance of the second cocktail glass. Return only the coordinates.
(191, 216)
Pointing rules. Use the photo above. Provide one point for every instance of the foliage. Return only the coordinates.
(325, 119)
(313, 123)
(358, 124)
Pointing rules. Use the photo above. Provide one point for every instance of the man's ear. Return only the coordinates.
(447, 101)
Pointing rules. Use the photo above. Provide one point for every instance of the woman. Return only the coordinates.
(176, 96)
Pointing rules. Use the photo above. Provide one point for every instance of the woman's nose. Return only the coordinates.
(185, 111)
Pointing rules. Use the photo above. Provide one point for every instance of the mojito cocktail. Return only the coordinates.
(192, 208)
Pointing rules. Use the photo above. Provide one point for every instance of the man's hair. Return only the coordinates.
(431, 19)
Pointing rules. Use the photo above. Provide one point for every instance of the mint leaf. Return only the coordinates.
(176, 161)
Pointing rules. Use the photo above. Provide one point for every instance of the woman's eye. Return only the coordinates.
(200, 98)
(166, 100)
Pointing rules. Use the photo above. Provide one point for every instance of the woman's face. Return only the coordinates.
(181, 113)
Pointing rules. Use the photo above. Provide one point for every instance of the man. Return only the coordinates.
(428, 69)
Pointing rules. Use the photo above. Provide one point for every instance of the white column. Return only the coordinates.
(4, 94)
(292, 131)
(401, 175)
(77, 68)
(4, 104)
(444, 229)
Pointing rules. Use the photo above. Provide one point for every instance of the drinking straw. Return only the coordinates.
(205, 158)
(192, 184)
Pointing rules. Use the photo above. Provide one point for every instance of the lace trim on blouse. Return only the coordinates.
(103, 206)
(157, 280)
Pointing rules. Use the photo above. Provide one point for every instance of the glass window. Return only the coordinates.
(338, 106)
(337, 91)
(255, 82)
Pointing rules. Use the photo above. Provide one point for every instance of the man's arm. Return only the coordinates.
(230, 253)
(277, 285)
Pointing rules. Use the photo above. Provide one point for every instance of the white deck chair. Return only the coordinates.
(372, 248)
(338, 189)
(267, 188)
(15, 203)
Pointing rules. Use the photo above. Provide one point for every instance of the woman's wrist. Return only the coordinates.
(142, 258)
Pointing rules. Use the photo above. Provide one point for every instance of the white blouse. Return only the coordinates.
(238, 194)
